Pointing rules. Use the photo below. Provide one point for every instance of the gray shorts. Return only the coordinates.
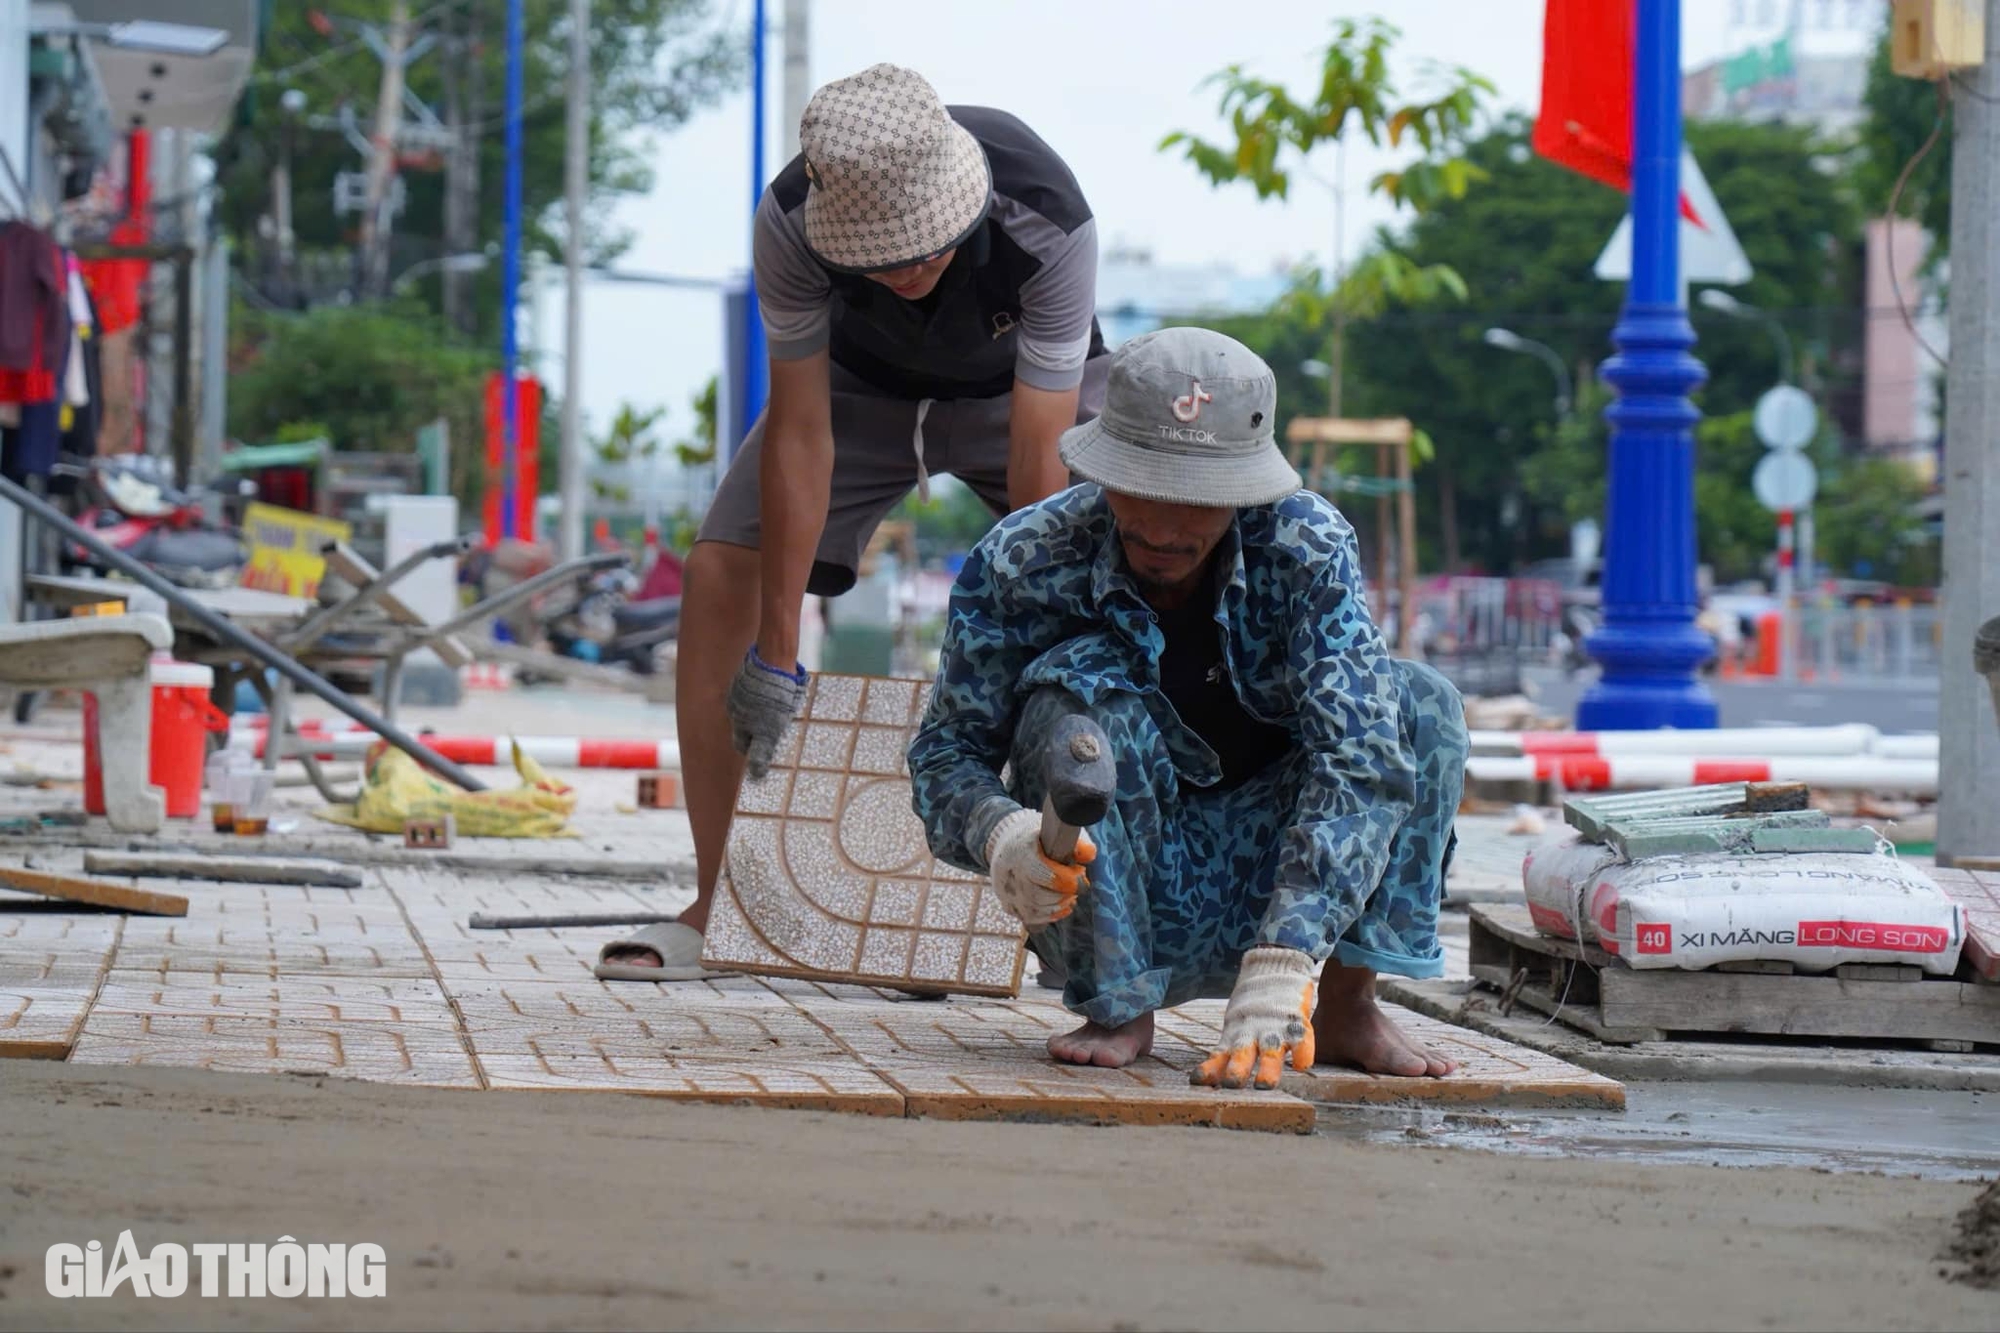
(875, 466)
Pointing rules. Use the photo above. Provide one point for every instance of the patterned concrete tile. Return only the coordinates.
(431, 1055)
(503, 961)
(71, 933)
(1978, 892)
(978, 1060)
(299, 958)
(828, 874)
(325, 999)
(548, 1020)
(830, 1085)
(41, 1024)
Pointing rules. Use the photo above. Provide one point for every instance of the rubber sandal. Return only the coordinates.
(678, 947)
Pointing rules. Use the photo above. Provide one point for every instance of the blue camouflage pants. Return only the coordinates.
(1182, 878)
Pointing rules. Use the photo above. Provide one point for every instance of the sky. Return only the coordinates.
(1102, 81)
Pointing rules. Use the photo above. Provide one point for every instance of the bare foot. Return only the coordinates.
(1110, 1048)
(1349, 1028)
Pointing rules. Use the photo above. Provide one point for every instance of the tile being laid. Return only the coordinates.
(828, 874)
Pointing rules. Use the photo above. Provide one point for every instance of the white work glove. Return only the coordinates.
(1030, 885)
(1269, 1016)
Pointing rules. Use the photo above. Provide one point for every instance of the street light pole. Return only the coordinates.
(1723, 303)
(1649, 647)
(1509, 341)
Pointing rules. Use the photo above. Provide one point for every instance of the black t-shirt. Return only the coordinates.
(1196, 683)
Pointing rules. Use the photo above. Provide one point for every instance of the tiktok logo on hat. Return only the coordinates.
(1188, 406)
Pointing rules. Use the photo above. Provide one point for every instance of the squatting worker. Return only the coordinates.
(1286, 789)
(927, 276)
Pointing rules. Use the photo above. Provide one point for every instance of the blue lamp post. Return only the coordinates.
(756, 368)
(510, 284)
(1649, 647)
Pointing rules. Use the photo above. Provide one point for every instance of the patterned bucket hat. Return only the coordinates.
(1188, 418)
(894, 179)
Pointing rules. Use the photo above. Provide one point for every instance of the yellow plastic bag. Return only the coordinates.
(396, 789)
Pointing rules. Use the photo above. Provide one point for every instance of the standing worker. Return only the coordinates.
(1285, 791)
(928, 279)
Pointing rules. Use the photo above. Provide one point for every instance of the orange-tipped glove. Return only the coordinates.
(1032, 886)
(1269, 1017)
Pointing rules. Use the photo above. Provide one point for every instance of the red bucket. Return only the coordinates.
(183, 715)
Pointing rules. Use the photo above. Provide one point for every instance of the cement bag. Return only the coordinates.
(1813, 910)
(1556, 873)
(396, 788)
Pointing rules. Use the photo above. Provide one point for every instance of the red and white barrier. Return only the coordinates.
(1853, 738)
(1588, 772)
(490, 751)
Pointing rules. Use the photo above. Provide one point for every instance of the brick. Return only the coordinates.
(40, 1024)
(659, 791)
(430, 834)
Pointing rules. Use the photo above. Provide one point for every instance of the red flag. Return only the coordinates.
(1586, 117)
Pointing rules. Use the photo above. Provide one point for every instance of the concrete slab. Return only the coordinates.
(828, 874)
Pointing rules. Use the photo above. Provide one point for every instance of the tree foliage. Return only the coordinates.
(1525, 243)
(1272, 133)
(1902, 115)
(653, 63)
(364, 377)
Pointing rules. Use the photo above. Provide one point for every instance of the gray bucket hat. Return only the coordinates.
(894, 179)
(1188, 419)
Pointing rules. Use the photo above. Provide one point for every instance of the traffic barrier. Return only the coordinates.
(1587, 772)
(1854, 738)
(494, 751)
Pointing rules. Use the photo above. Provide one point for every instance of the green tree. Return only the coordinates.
(1272, 134)
(1525, 242)
(653, 63)
(1902, 116)
(365, 377)
(1868, 525)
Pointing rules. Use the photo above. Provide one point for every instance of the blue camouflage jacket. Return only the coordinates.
(1045, 599)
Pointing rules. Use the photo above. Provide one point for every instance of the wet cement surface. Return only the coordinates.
(1888, 1131)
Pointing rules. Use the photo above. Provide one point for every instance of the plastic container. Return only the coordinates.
(183, 715)
(222, 764)
(250, 791)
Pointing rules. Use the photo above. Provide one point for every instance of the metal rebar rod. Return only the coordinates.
(220, 628)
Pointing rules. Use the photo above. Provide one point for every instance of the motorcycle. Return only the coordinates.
(603, 622)
(127, 502)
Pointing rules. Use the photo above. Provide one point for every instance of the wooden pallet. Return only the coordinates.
(1596, 993)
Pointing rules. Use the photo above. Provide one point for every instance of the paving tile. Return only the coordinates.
(276, 959)
(1978, 892)
(323, 999)
(838, 1084)
(656, 1021)
(41, 1024)
(828, 874)
(987, 1059)
(501, 960)
(63, 933)
(1492, 1071)
(431, 1055)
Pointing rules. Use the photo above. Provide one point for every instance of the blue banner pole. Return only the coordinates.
(1649, 647)
(756, 367)
(510, 286)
